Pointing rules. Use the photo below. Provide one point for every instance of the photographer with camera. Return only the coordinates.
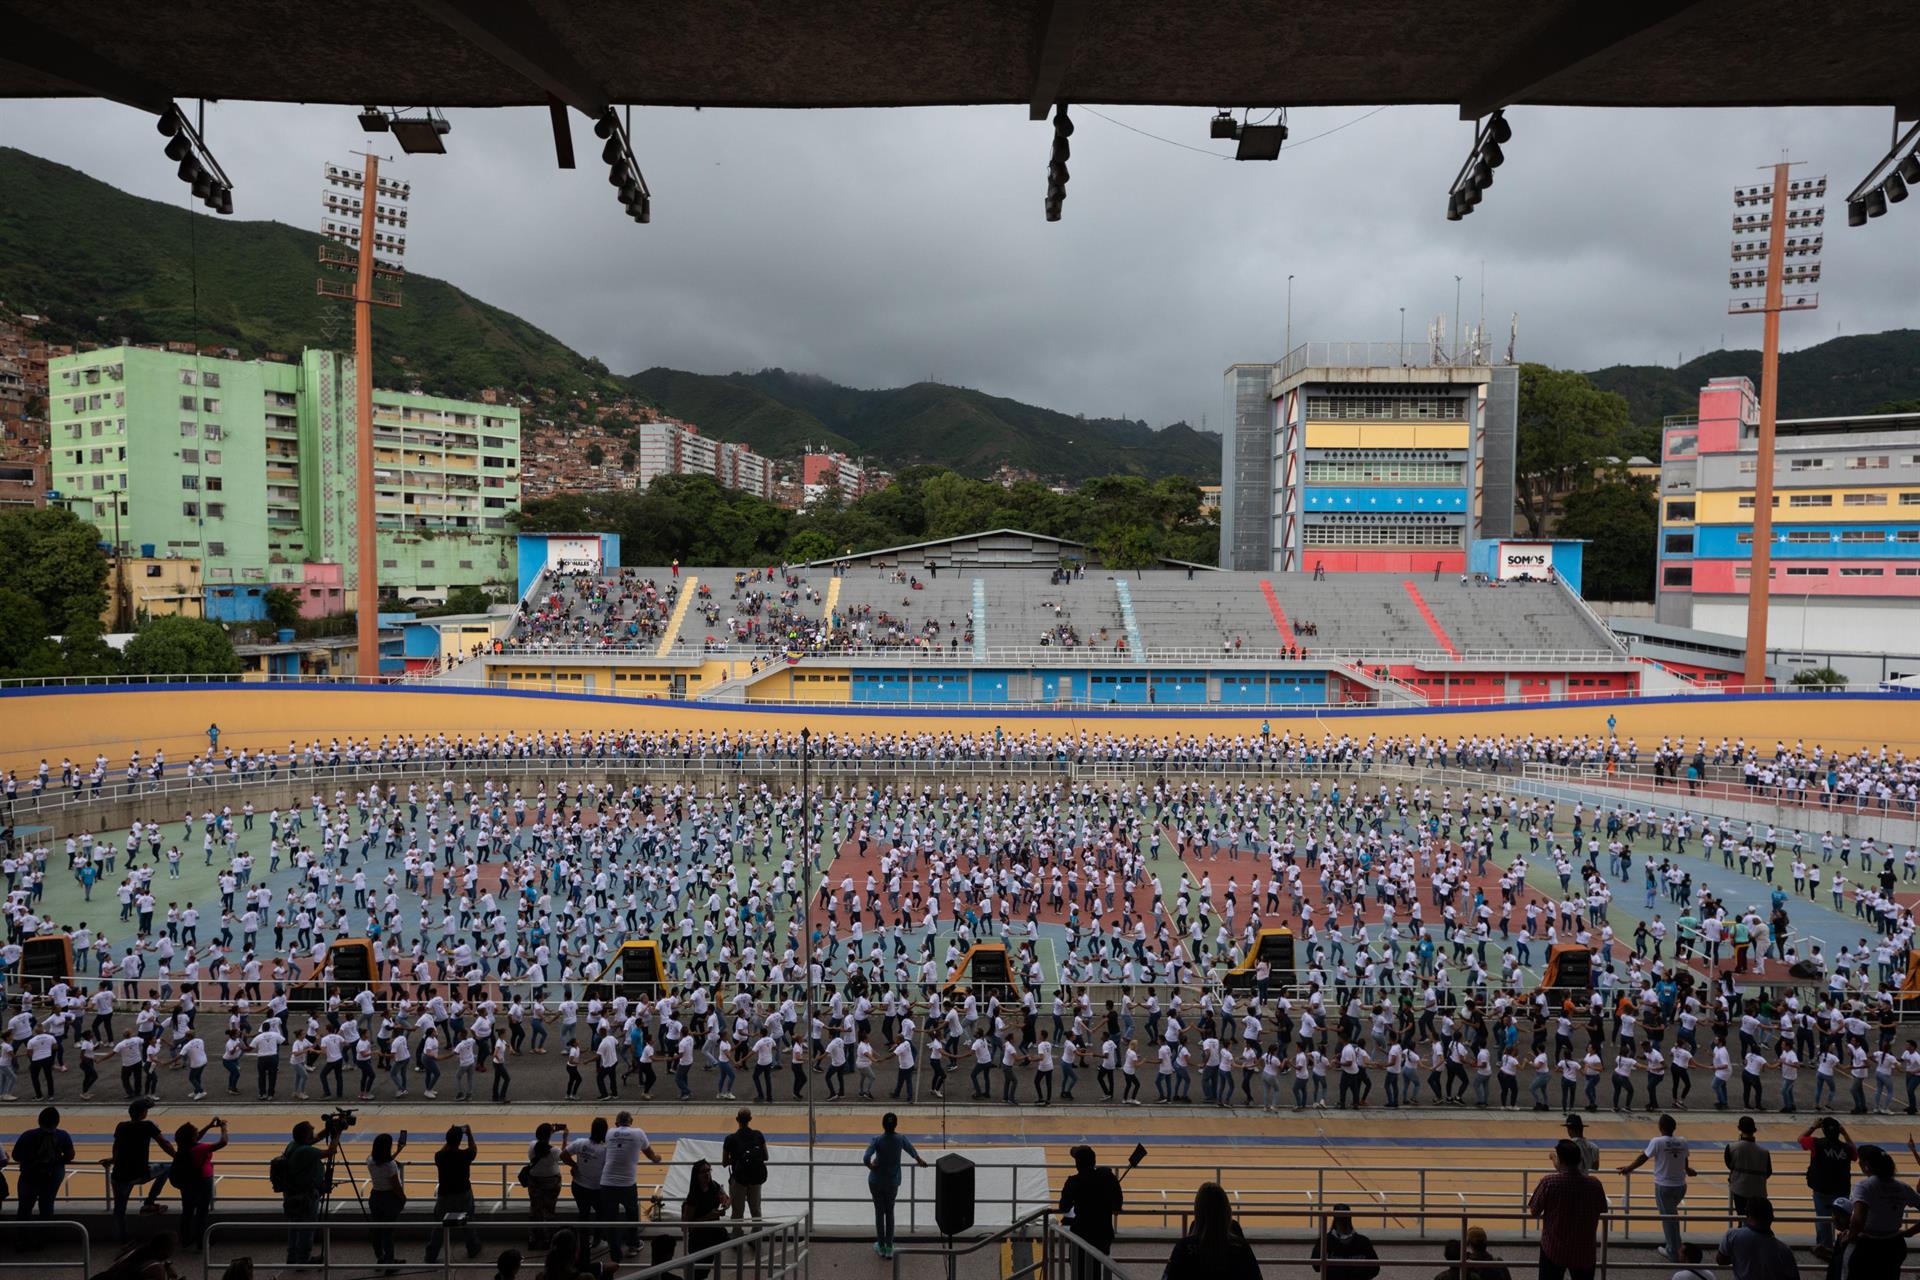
(386, 1192)
(299, 1174)
(454, 1192)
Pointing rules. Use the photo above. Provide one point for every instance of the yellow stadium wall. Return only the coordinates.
(79, 723)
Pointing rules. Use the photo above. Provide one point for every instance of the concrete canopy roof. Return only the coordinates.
(854, 53)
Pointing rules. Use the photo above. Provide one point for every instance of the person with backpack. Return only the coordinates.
(299, 1175)
(42, 1154)
(1830, 1157)
(192, 1176)
(132, 1162)
(744, 1154)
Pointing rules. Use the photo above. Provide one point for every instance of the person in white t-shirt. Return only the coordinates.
(619, 1173)
(1671, 1169)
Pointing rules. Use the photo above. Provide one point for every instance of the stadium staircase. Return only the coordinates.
(1279, 615)
(688, 586)
(1433, 623)
(1136, 649)
(979, 619)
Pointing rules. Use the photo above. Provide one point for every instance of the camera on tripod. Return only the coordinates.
(338, 1121)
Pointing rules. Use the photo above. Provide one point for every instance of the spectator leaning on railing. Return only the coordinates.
(1569, 1205)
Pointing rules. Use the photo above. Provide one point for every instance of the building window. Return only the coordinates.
(209, 379)
(1864, 500)
(213, 431)
(190, 509)
(1810, 500)
(188, 430)
(216, 511)
(216, 548)
(1851, 572)
(1806, 571)
(189, 482)
(213, 457)
(1746, 501)
(1677, 575)
(389, 564)
(1680, 509)
(1861, 535)
(189, 403)
(1806, 464)
(186, 455)
(1876, 462)
(186, 377)
(1679, 544)
(210, 405)
(1910, 499)
(1809, 535)
(213, 483)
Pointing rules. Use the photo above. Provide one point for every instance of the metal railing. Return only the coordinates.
(17, 1234)
(767, 1249)
(943, 653)
(1159, 1193)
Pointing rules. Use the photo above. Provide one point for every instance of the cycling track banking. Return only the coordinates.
(78, 721)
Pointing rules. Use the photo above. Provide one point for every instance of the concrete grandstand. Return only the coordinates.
(911, 629)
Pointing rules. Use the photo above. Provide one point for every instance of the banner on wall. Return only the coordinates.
(1525, 559)
(574, 553)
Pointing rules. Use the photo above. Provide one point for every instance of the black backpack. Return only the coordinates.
(185, 1173)
(1828, 1167)
(750, 1162)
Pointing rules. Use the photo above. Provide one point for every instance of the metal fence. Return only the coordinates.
(766, 1249)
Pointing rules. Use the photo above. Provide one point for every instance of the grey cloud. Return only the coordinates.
(878, 247)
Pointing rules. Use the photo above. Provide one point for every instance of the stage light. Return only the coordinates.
(1896, 188)
(1876, 202)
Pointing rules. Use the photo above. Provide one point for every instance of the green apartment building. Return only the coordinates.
(248, 466)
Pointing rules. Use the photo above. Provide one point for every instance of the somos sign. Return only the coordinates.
(1525, 559)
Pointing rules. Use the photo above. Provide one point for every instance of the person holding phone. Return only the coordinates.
(454, 1191)
(386, 1192)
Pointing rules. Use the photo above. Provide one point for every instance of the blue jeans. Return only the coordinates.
(300, 1239)
(883, 1197)
(1669, 1198)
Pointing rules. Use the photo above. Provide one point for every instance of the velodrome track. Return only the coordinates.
(79, 721)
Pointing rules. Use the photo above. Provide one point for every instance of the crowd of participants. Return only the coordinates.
(1420, 940)
(1820, 774)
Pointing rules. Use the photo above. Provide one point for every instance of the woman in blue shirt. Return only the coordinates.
(882, 1159)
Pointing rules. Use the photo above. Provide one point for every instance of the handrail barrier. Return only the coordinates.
(1160, 1193)
(43, 1256)
(763, 1249)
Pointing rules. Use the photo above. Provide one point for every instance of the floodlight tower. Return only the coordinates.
(364, 223)
(1772, 209)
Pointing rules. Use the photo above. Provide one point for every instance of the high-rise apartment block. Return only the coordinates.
(1846, 525)
(676, 449)
(1366, 456)
(247, 465)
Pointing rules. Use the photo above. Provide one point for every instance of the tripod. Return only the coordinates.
(333, 1159)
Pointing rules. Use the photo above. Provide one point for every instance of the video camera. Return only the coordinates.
(338, 1121)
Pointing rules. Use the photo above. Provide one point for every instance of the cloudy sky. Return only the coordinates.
(882, 247)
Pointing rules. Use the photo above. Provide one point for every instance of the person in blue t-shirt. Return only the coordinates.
(883, 1178)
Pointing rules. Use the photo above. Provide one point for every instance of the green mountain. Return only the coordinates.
(775, 411)
(104, 265)
(1843, 375)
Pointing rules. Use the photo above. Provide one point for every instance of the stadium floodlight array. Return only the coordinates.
(623, 171)
(1804, 215)
(1057, 163)
(1476, 175)
(198, 169)
(1888, 182)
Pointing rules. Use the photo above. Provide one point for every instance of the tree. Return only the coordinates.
(1616, 514)
(468, 599)
(1125, 546)
(1565, 425)
(1819, 678)
(54, 557)
(1909, 405)
(809, 545)
(181, 646)
(25, 649)
(595, 455)
(283, 608)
